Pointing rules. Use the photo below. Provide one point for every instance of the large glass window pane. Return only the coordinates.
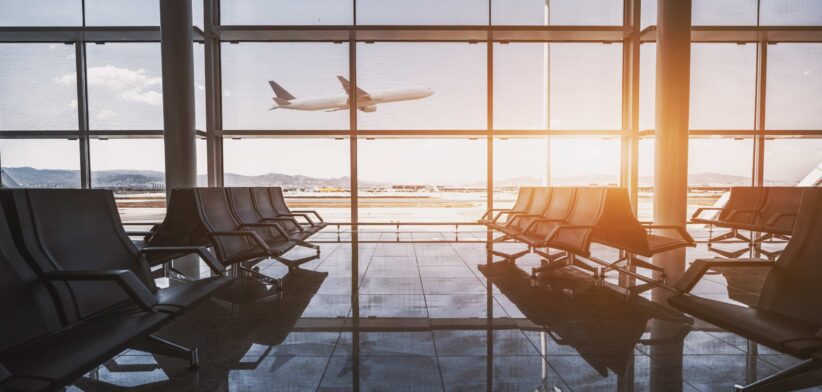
(39, 87)
(723, 86)
(646, 180)
(794, 88)
(521, 94)
(123, 12)
(286, 12)
(416, 180)
(422, 12)
(422, 86)
(517, 163)
(125, 86)
(647, 86)
(791, 13)
(793, 162)
(715, 165)
(39, 163)
(199, 86)
(134, 169)
(561, 12)
(311, 95)
(648, 13)
(585, 162)
(320, 182)
(724, 12)
(41, 13)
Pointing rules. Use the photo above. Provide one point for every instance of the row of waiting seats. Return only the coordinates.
(771, 211)
(244, 225)
(76, 290)
(787, 316)
(570, 219)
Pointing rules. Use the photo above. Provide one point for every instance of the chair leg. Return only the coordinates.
(787, 379)
(256, 275)
(158, 345)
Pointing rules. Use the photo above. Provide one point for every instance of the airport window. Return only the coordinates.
(522, 91)
(647, 86)
(560, 12)
(199, 86)
(427, 86)
(314, 173)
(39, 163)
(723, 86)
(286, 12)
(794, 87)
(793, 162)
(422, 12)
(790, 13)
(41, 13)
(645, 180)
(517, 163)
(39, 87)
(125, 86)
(135, 170)
(309, 91)
(123, 12)
(724, 12)
(715, 165)
(585, 162)
(418, 180)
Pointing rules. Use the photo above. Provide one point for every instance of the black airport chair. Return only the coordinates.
(787, 317)
(48, 340)
(517, 223)
(278, 200)
(235, 242)
(524, 197)
(740, 211)
(268, 213)
(70, 230)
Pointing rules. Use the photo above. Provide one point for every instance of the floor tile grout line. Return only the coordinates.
(427, 312)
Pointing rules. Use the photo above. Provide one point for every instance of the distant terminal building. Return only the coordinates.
(410, 188)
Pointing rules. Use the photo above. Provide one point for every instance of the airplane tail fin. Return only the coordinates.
(347, 87)
(282, 96)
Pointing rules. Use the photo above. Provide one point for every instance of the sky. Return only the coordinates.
(125, 90)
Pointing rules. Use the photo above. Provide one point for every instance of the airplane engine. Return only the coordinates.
(369, 109)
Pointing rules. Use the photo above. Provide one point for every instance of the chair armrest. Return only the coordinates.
(680, 230)
(254, 237)
(488, 212)
(739, 212)
(309, 212)
(304, 216)
(778, 216)
(507, 212)
(287, 219)
(701, 266)
(274, 225)
(201, 251)
(538, 221)
(126, 279)
(559, 228)
(701, 209)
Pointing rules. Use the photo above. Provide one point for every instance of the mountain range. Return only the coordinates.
(27, 177)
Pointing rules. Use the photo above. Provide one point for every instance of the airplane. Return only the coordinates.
(366, 101)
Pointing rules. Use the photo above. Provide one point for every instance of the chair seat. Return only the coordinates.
(66, 355)
(768, 328)
(659, 244)
(178, 297)
(532, 239)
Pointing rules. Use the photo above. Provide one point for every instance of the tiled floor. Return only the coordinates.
(428, 317)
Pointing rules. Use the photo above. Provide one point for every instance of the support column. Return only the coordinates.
(178, 94)
(673, 67)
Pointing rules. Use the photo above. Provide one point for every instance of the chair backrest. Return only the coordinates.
(278, 200)
(182, 225)
(560, 205)
(618, 226)
(539, 201)
(216, 215)
(76, 230)
(793, 286)
(265, 206)
(588, 207)
(242, 205)
(780, 200)
(743, 198)
(523, 198)
(27, 309)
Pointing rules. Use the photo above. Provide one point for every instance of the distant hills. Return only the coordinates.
(27, 177)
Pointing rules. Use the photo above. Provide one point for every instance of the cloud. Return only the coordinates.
(73, 104)
(105, 114)
(130, 85)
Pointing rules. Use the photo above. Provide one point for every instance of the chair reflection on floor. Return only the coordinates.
(599, 322)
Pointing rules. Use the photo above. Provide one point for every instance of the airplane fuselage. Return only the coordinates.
(365, 103)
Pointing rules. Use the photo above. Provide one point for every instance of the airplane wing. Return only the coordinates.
(347, 87)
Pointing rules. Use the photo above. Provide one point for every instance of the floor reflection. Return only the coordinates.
(447, 316)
